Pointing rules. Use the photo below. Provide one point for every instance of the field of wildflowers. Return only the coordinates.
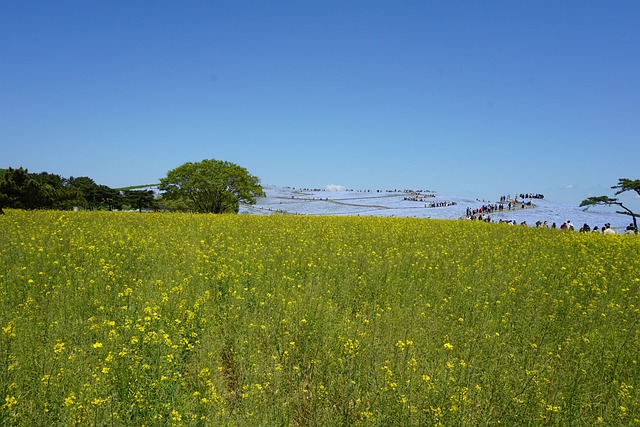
(185, 320)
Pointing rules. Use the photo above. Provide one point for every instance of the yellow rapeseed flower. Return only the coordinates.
(10, 402)
(70, 400)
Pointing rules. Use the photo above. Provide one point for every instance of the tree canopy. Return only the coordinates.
(624, 184)
(211, 186)
(20, 189)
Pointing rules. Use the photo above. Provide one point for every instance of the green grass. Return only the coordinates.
(173, 319)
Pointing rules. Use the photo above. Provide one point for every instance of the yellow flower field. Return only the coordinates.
(126, 319)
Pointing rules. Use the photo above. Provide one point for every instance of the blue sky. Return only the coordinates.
(472, 98)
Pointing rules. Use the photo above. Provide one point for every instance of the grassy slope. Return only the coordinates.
(136, 187)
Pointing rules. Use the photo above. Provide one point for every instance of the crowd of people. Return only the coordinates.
(440, 204)
(606, 229)
(419, 197)
(483, 212)
(568, 225)
(522, 196)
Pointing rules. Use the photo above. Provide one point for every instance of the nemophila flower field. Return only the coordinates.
(165, 319)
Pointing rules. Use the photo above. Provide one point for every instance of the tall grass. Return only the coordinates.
(172, 319)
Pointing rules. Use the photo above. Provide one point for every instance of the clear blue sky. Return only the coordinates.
(472, 98)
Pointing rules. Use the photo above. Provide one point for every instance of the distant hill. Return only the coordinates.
(137, 187)
(421, 204)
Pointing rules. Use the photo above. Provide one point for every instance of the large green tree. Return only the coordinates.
(95, 196)
(138, 199)
(624, 184)
(211, 186)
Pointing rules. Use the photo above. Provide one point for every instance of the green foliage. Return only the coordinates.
(623, 185)
(139, 199)
(95, 196)
(20, 189)
(599, 200)
(211, 186)
(175, 204)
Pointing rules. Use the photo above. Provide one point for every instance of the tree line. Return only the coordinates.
(20, 189)
(209, 186)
